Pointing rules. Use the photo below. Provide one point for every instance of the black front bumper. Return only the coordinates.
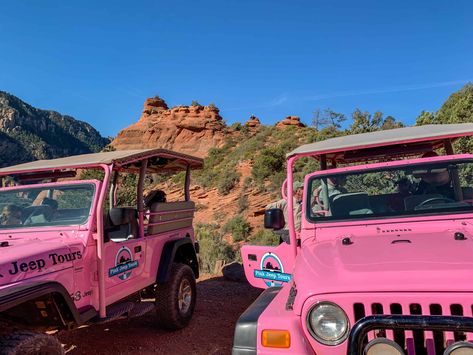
(244, 341)
(399, 322)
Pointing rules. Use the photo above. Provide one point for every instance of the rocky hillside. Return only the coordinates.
(28, 133)
(244, 163)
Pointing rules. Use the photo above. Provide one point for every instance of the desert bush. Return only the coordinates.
(238, 227)
(270, 161)
(247, 183)
(212, 247)
(219, 215)
(195, 103)
(179, 178)
(242, 203)
(264, 237)
(227, 180)
(236, 126)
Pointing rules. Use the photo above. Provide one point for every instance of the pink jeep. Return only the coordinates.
(383, 263)
(70, 253)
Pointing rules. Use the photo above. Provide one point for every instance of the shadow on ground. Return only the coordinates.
(219, 304)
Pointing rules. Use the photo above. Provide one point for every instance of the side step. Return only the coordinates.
(129, 309)
(141, 309)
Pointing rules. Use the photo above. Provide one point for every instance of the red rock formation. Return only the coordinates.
(187, 129)
(290, 121)
(154, 105)
(253, 122)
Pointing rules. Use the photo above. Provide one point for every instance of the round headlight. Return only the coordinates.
(328, 323)
(459, 348)
(383, 346)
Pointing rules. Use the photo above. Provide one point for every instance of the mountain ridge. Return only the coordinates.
(28, 133)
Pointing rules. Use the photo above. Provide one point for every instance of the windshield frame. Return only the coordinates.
(383, 166)
(95, 184)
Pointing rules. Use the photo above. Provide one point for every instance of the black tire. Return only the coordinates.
(30, 343)
(173, 314)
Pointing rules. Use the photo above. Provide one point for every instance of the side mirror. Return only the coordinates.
(274, 219)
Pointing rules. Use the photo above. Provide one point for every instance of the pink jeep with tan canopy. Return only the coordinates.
(384, 258)
(72, 253)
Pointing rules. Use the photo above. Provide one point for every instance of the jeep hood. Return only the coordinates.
(434, 262)
(25, 258)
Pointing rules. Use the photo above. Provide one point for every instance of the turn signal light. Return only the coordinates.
(275, 338)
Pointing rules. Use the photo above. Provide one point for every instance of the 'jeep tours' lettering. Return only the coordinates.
(59, 259)
(39, 264)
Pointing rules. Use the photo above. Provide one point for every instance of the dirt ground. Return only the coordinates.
(219, 304)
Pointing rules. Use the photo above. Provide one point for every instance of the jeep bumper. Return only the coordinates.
(246, 332)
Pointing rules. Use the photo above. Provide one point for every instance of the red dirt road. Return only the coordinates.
(219, 304)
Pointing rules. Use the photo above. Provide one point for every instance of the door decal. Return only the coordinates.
(272, 271)
(124, 263)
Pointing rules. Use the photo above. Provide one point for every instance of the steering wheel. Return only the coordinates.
(430, 200)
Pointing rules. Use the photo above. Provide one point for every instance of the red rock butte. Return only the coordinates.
(290, 121)
(187, 129)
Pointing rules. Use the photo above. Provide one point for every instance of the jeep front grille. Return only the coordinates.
(359, 305)
(416, 342)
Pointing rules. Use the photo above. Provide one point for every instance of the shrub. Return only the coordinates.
(219, 215)
(247, 183)
(179, 178)
(236, 126)
(238, 227)
(227, 180)
(212, 247)
(264, 237)
(270, 161)
(242, 203)
(195, 103)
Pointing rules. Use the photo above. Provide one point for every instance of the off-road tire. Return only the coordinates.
(170, 316)
(30, 343)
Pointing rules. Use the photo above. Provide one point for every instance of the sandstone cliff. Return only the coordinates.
(188, 129)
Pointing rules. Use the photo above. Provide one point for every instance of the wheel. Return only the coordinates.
(175, 299)
(30, 343)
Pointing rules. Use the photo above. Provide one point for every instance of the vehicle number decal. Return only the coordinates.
(272, 271)
(124, 263)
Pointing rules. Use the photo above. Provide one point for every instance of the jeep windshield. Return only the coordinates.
(49, 205)
(415, 189)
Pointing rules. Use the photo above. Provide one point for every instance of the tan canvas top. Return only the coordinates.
(399, 136)
(158, 159)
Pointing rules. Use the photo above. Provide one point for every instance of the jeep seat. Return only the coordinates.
(121, 224)
(170, 216)
(350, 204)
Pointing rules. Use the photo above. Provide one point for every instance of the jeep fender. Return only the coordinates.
(181, 250)
(17, 295)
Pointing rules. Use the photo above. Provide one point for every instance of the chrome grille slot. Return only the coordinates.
(399, 336)
(439, 341)
(419, 339)
(457, 310)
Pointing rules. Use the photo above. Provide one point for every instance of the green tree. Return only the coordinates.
(327, 118)
(366, 122)
(458, 108)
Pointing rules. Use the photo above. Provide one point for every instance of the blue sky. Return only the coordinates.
(99, 60)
